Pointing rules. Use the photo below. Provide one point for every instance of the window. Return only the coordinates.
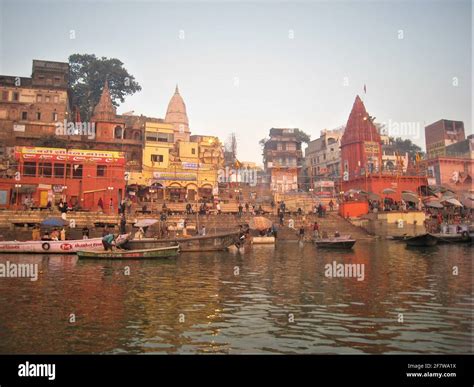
(16, 96)
(29, 168)
(156, 158)
(77, 171)
(39, 98)
(55, 116)
(68, 170)
(193, 151)
(38, 116)
(55, 99)
(5, 95)
(101, 170)
(24, 115)
(45, 169)
(47, 99)
(118, 132)
(58, 170)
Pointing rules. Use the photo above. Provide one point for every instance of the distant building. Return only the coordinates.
(283, 159)
(30, 107)
(441, 134)
(323, 158)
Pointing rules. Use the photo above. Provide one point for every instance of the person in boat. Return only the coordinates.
(203, 231)
(241, 237)
(139, 234)
(36, 234)
(85, 232)
(108, 242)
(336, 234)
(62, 234)
(123, 224)
(55, 235)
(46, 236)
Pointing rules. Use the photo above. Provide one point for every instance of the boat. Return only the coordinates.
(422, 240)
(464, 237)
(214, 242)
(161, 252)
(263, 240)
(51, 247)
(341, 242)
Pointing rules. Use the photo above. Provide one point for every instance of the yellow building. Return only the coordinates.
(182, 170)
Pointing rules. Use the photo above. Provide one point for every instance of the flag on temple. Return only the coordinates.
(365, 89)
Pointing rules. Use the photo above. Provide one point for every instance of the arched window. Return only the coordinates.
(137, 136)
(118, 132)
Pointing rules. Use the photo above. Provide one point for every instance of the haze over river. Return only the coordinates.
(268, 300)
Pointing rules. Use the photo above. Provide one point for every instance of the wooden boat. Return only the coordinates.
(215, 242)
(265, 240)
(51, 247)
(422, 240)
(464, 237)
(343, 242)
(161, 252)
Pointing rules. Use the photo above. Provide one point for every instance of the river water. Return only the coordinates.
(266, 300)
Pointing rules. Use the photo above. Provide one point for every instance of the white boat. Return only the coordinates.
(51, 247)
(265, 240)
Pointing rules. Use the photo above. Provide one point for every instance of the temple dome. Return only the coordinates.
(176, 113)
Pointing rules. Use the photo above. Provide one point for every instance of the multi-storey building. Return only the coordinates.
(282, 159)
(323, 159)
(30, 107)
(442, 133)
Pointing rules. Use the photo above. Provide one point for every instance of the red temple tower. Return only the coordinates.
(361, 146)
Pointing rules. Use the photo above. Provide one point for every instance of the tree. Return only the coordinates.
(405, 146)
(52, 141)
(87, 75)
(302, 136)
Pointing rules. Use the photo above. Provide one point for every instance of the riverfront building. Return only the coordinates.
(77, 176)
(282, 159)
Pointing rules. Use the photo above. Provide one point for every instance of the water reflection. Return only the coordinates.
(279, 302)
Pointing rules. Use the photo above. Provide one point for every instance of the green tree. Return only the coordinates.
(302, 136)
(52, 141)
(406, 146)
(87, 75)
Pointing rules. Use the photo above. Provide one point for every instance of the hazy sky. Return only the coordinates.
(245, 67)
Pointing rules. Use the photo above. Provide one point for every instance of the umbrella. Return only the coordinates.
(54, 222)
(468, 202)
(409, 196)
(447, 195)
(434, 204)
(145, 222)
(388, 191)
(260, 223)
(374, 196)
(454, 202)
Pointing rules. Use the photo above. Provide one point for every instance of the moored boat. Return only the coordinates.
(51, 247)
(464, 237)
(423, 240)
(215, 242)
(335, 243)
(161, 252)
(263, 240)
